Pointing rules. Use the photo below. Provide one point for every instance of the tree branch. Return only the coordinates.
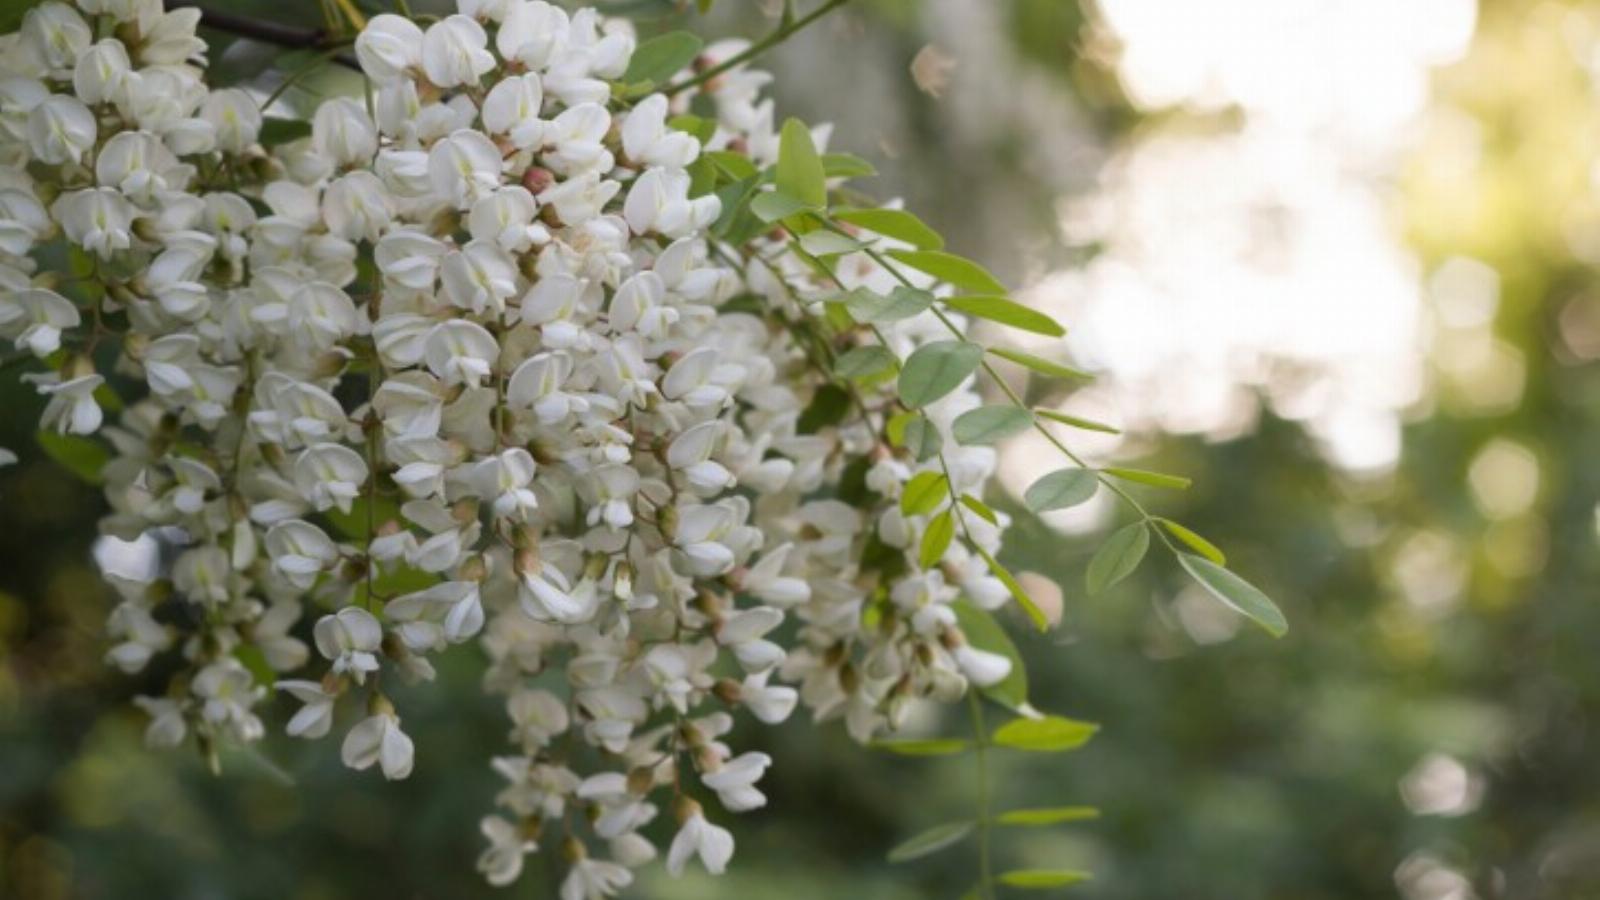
(269, 32)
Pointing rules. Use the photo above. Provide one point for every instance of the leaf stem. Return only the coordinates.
(780, 34)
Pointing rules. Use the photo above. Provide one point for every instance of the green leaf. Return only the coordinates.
(922, 438)
(1017, 593)
(1118, 557)
(1075, 422)
(662, 57)
(1049, 815)
(275, 132)
(924, 493)
(1196, 543)
(1236, 593)
(393, 584)
(846, 165)
(1051, 734)
(736, 166)
(935, 369)
(828, 243)
(865, 362)
(702, 129)
(989, 424)
(352, 526)
(951, 269)
(1040, 364)
(893, 223)
(1153, 479)
(936, 539)
(800, 173)
(871, 307)
(1061, 489)
(931, 841)
(983, 632)
(1007, 312)
(774, 206)
(981, 508)
(829, 406)
(924, 746)
(256, 662)
(1039, 879)
(81, 456)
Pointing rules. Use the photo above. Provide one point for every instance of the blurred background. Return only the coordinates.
(1333, 260)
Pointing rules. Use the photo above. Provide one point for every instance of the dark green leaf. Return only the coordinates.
(931, 841)
(800, 173)
(1118, 557)
(1061, 489)
(1236, 593)
(662, 57)
(275, 132)
(81, 456)
(922, 439)
(951, 269)
(865, 362)
(894, 223)
(924, 493)
(1007, 312)
(935, 369)
(736, 166)
(829, 406)
(1051, 734)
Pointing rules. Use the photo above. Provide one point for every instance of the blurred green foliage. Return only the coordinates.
(1240, 770)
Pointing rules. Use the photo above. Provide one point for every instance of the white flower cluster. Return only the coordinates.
(467, 363)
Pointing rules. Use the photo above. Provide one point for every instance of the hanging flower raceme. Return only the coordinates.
(520, 353)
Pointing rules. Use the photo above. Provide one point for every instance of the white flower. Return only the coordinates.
(464, 167)
(57, 34)
(409, 259)
(388, 46)
(60, 130)
(227, 691)
(659, 202)
(234, 117)
(99, 220)
(501, 862)
(536, 716)
(479, 278)
(461, 352)
(769, 703)
(648, 141)
(329, 475)
(315, 716)
(72, 407)
(168, 724)
(342, 132)
(983, 667)
(531, 33)
(35, 318)
(505, 217)
(512, 109)
(350, 638)
(357, 207)
(577, 140)
(453, 52)
(735, 782)
(300, 551)
(378, 739)
(169, 40)
(505, 478)
(139, 165)
(100, 70)
(594, 879)
(697, 837)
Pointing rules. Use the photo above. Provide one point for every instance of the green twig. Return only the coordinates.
(780, 34)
